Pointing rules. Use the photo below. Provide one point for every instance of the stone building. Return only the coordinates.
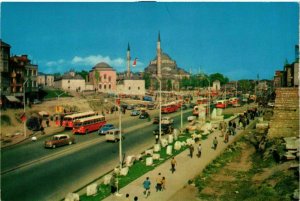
(166, 69)
(45, 80)
(103, 78)
(130, 83)
(70, 82)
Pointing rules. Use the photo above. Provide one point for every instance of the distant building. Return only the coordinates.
(216, 85)
(45, 80)
(166, 69)
(130, 83)
(70, 82)
(132, 87)
(4, 68)
(21, 71)
(103, 77)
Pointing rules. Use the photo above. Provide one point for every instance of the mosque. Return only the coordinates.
(165, 69)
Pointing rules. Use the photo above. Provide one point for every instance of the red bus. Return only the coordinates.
(221, 104)
(169, 108)
(69, 119)
(88, 124)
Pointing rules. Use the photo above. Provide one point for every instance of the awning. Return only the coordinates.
(13, 99)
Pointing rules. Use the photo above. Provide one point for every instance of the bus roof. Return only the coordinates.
(80, 114)
(89, 118)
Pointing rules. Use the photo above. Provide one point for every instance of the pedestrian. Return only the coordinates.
(127, 197)
(226, 138)
(191, 150)
(173, 164)
(163, 183)
(47, 122)
(215, 143)
(135, 198)
(156, 138)
(147, 185)
(199, 148)
(158, 182)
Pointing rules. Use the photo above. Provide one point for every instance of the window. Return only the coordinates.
(104, 86)
(68, 81)
(100, 86)
(104, 76)
(109, 86)
(109, 78)
(129, 88)
(138, 88)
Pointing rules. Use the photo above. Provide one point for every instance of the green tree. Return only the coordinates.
(83, 74)
(97, 76)
(218, 76)
(245, 85)
(169, 85)
(147, 79)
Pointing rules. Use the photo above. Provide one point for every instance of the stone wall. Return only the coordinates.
(285, 119)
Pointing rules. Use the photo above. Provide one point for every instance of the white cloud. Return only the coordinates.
(77, 62)
(94, 59)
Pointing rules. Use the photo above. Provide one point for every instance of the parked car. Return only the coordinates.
(113, 135)
(104, 129)
(165, 129)
(156, 120)
(144, 115)
(167, 120)
(130, 107)
(151, 106)
(59, 140)
(135, 113)
(36, 101)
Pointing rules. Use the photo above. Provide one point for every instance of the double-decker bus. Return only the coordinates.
(169, 108)
(68, 121)
(88, 124)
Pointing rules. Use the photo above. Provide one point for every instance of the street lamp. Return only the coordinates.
(24, 99)
(120, 133)
(209, 93)
(159, 105)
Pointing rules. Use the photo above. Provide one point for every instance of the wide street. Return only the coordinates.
(31, 172)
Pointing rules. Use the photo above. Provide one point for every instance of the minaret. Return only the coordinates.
(158, 57)
(128, 61)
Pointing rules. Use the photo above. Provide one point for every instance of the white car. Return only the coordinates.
(113, 135)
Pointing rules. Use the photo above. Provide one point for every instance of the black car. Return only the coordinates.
(156, 120)
(144, 115)
(165, 129)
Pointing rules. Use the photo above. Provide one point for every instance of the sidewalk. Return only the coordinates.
(187, 168)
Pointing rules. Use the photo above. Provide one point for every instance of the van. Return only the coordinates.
(113, 135)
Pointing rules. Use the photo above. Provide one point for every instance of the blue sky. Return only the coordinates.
(239, 40)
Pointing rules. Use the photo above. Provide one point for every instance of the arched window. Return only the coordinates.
(109, 86)
(100, 86)
(109, 78)
(104, 76)
(105, 86)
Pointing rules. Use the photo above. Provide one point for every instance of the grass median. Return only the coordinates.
(137, 170)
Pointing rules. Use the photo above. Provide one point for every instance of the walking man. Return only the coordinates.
(158, 182)
(146, 185)
(156, 138)
(215, 143)
(199, 148)
(173, 164)
(191, 150)
(226, 137)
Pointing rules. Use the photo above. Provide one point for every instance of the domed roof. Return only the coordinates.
(165, 56)
(102, 65)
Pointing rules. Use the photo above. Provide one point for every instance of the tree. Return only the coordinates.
(245, 85)
(220, 77)
(147, 79)
(97, 76)
(83, 74)
(169, 85)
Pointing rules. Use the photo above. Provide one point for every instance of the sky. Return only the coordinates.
(239, 40)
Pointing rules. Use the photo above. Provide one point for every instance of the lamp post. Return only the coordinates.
(159, 106)
(209, 93)
(24, 99)
(120, 133)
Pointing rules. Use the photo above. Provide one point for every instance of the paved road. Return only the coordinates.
(76, 165)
